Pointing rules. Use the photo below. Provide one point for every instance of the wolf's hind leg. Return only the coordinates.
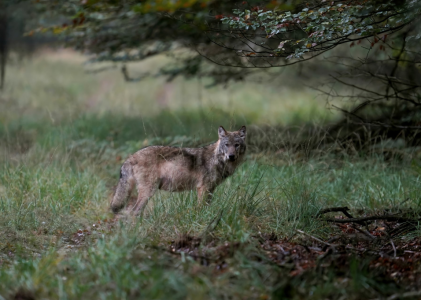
(124, 188)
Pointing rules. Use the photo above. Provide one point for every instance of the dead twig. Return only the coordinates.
(328, 252)
(394, 248)
(371, 218)
(314, 238)
(334, 238)
(344, 210)
(365, 232)
(403, 295)
(404, 228)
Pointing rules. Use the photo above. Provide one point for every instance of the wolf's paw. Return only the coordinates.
(123, 215)
(128, 217)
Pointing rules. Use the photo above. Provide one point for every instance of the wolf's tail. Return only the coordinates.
(124, 188)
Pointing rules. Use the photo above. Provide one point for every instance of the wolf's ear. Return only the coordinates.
(221, 132)
(242, 132)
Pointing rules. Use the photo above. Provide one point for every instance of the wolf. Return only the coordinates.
(178, 169)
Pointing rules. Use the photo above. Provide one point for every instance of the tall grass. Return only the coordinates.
(63, 137)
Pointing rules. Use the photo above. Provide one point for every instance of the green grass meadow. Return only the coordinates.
(64, 133)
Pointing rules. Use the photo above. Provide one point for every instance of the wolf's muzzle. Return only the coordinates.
(231, 157)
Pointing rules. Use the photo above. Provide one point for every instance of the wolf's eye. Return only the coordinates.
(237, 145)
(227, 145)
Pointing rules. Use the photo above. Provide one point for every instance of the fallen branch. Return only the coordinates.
(314, 238)
(404, 228)
(365, 232)
(371, 218)
(403, 295)
(344, 210)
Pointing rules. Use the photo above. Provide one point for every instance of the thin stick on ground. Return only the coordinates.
(394, 248)
(343, 209)
(365, 232)
(404, 295)
(371, 218)
(314, 238)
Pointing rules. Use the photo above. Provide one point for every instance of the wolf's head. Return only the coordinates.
(232, 144)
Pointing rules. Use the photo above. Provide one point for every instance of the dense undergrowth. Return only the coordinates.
(59, 161)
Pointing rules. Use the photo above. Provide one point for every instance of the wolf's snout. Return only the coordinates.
(231, 157)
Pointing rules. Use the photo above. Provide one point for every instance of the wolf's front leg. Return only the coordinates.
(205, 193)
(143, 195)
(122, 193)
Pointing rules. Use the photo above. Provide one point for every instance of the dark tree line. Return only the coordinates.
(376, 73)
(3, 45)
